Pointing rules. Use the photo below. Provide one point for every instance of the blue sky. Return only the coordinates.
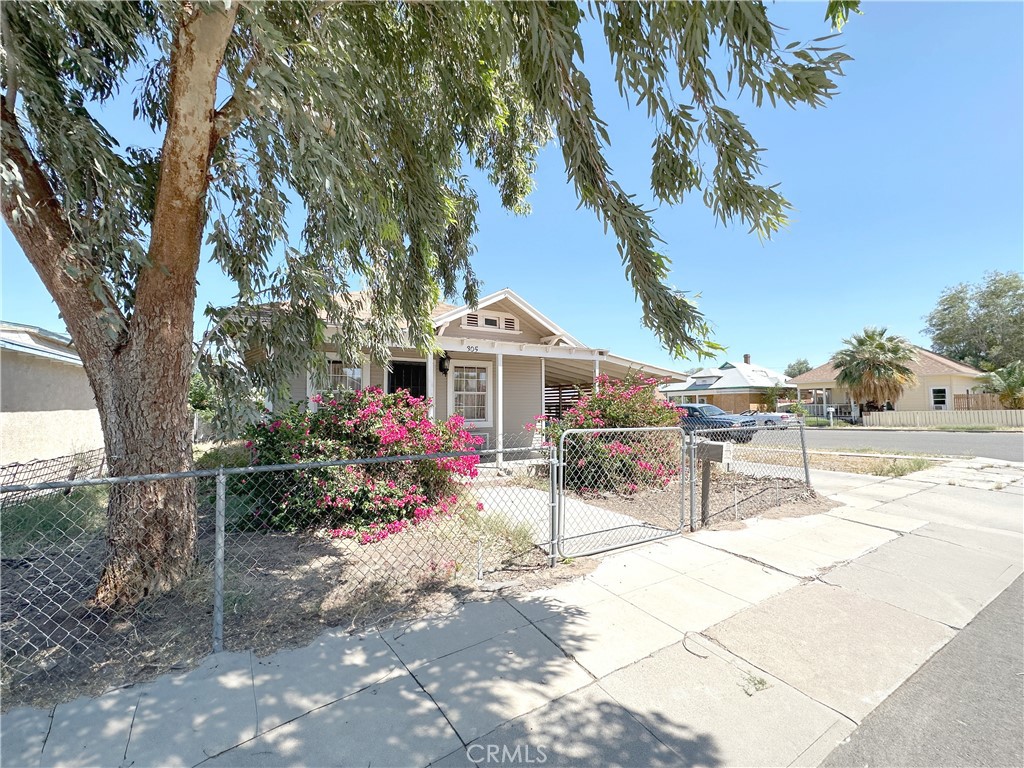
(909, 181)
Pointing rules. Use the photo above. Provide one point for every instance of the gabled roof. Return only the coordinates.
(928, 363)
(444, 313)
(39, 342)
(730, 376)
(507, 294)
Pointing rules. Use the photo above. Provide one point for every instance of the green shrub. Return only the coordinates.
(624, 462)
(229, 455)
(368, 502)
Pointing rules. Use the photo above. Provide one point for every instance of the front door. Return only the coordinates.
(410, 376)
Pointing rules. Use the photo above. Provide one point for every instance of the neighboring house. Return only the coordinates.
(733, 387)
(939, 379)
(47, 407)
(504, 363)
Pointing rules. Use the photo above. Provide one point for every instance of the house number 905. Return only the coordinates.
(472, 349)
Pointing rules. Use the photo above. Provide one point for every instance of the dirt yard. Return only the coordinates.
(281, 590)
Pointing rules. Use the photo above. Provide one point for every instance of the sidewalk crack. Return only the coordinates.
(131, 727)
(49, 728)
(641, 723)
(297, 717)
(749, 663)
(428, 694)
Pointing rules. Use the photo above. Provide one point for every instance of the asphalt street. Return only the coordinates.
(1008, 446)
(963, 707)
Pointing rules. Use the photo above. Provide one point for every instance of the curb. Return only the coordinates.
(920, 429)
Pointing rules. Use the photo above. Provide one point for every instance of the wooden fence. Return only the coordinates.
(977, 401)
(1002, 418)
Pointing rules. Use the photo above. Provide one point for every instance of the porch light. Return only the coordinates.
(443, 363)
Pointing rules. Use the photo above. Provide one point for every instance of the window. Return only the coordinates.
(491, 321)
(343, 378)
(939, 399)
(470, 389)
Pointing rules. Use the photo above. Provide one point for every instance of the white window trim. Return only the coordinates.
(502, 316)
(931, 398)
(364, 375)
(489, 400)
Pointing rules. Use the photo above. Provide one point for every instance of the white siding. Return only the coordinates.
(522, 395)
(296, 389)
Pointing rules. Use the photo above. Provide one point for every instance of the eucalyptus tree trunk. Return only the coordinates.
(139, 372)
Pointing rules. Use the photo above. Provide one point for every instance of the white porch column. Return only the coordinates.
(309, 391)
(431, 411)
(541, 386)
(499, 422)
(597, 372)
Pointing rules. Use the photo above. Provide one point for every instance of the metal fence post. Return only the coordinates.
(682, 480)
(218, 565)
(693, 483)
(553, 493)
(803, 449)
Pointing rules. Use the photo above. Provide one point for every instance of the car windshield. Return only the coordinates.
(712, 410)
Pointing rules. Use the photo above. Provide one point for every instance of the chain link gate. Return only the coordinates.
(617, 487)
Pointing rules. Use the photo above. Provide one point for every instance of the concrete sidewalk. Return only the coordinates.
(760, 646)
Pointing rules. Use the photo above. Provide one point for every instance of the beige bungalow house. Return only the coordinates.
(503, 364)
(733, 386)
(939, 379)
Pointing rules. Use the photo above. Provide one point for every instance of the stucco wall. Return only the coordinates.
(917, 398)
(47, 407)
(920, 397)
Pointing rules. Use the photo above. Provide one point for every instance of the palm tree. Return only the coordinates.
(1008, 383)
(875, 365)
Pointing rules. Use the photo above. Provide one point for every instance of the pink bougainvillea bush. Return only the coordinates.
(365, 502)
(622, 462)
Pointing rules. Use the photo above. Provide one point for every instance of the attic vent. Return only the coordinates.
(499, 322)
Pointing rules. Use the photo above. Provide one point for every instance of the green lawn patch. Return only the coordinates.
(52, 519)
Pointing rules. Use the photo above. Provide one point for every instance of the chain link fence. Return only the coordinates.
(267, 574)
(74, 466)
(746, 472)
(284, 586)
(283, 551)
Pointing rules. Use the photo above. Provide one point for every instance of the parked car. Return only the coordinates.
(738, 429)
(773, 419)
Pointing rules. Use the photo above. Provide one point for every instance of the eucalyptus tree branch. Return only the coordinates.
(32, 211)
(12, 60)
(232, 111)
